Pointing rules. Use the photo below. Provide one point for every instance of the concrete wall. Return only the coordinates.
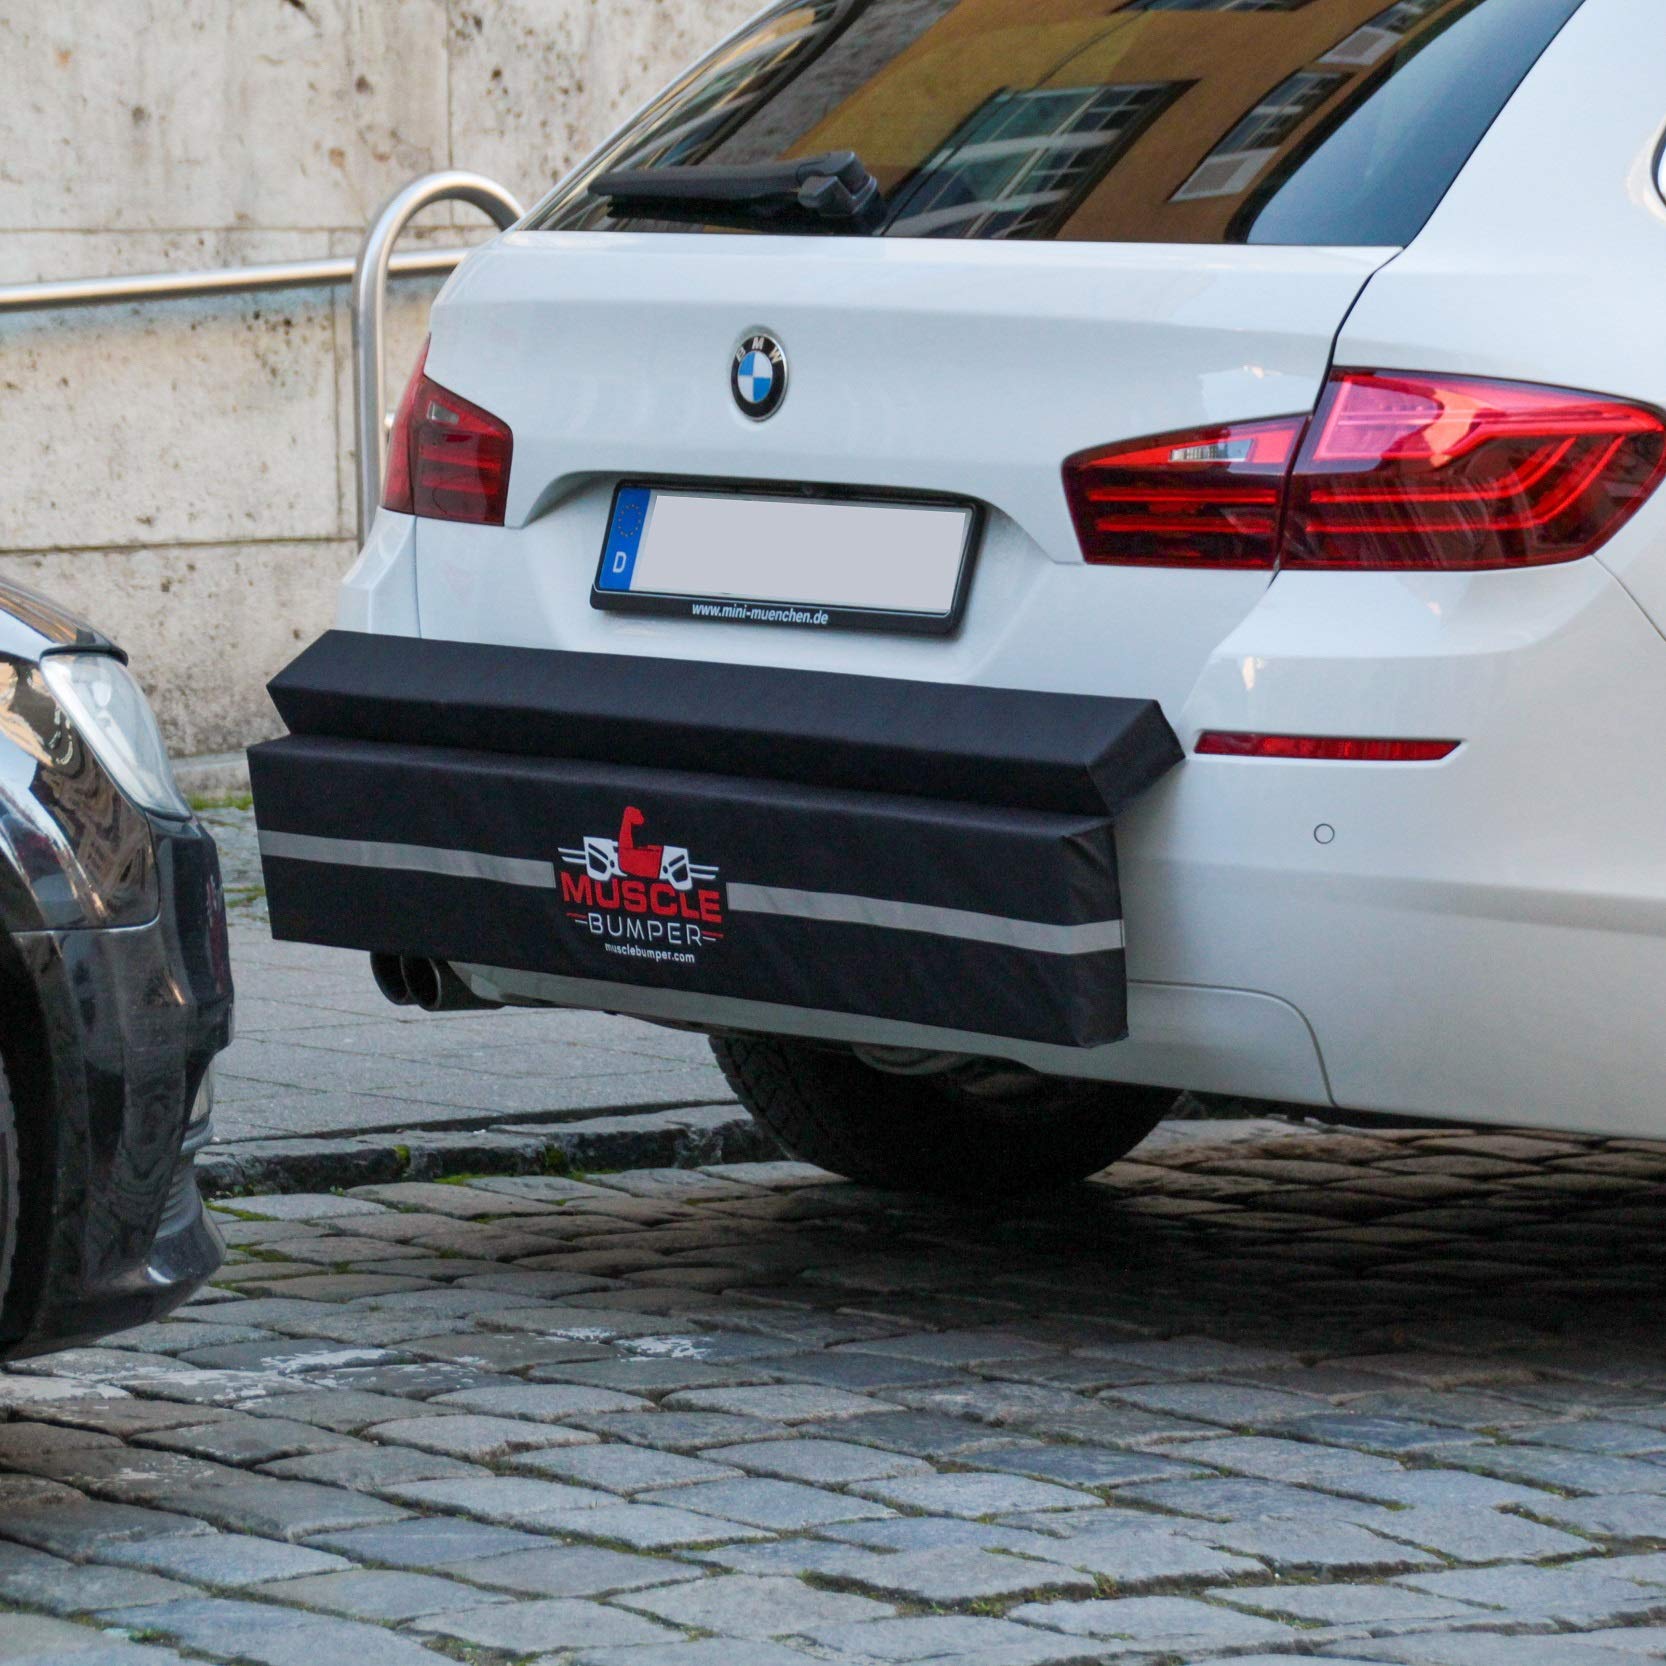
(182, 472)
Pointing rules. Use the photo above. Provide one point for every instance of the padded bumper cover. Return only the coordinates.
(936, 854)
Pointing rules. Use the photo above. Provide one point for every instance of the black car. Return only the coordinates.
(115, 993)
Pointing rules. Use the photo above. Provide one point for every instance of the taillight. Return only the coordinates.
(448, 460)
(1429, 471)
(1210, 498)
(1397, 471)
(1353, 749)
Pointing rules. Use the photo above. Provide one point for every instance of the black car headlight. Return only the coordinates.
(82, 770)
(112, 715)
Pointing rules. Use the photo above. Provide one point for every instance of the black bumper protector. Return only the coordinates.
(871, 734)
(936, 855)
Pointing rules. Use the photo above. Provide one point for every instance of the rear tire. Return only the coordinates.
(947, 1133)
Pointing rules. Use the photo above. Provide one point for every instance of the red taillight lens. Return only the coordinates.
(448, 460)
(1205, 499)
(1398, 471)
(1354, 749)
(1453, 472)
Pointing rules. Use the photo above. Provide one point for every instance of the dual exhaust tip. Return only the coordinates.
(415, 981)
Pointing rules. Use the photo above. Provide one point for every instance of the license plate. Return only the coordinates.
(762, 559)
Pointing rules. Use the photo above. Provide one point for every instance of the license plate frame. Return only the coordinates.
(792, 611)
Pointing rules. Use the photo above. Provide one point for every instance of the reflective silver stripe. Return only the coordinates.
(373, 853)
(1035, 935)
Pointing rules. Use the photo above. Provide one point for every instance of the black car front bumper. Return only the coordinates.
(129, 1020)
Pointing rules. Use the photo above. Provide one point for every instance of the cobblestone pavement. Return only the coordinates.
(1386, 1398)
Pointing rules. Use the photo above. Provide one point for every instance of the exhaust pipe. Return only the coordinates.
(386, 969)
(414, 980)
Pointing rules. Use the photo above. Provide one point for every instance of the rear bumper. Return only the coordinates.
(133, 1018)
(886, 853)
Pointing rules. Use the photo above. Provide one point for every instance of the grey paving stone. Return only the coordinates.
(1388, 1435)
(1487, 1649)
(77, 1530)
(429, 1542)
(33, 1579)
(246, 1440)
(1337, 1549)
(1578, 1595)
(553, 1623)
(779, 1403)
(224, 1560)
(1358, 1604)
(476, 1439)
(828, 1463)
(711, 1651)
(960, 1637)
(744, 1605)
(955, 1577)
(680, 1431)
(38, 1637)
(650, 1378)
(648, 1527)
(282, 1509)
(502, 1500)
(1629, 1516)
(543, 1402)
(1481, 1535)
(1229, 1404)
(1575, 1472)
(103, 1653)
(1088, 1466)
(956, 1348)
(309, 1206)
(786, 1506)
(345, 1411)
(973, 1494)
(375, 1594)
(860, 1373)
(572, 1571)
(624, 1469)
(1135, 1558)
(1296, 1463)
(362, 1467)
(273, 1636)
(927, 1533)
(1157, 1624)
(1248, 1500)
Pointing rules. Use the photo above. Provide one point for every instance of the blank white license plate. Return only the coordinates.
(766, 560)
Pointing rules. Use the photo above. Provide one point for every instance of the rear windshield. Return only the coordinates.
(1148, 121)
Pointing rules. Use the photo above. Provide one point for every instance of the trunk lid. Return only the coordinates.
(967, 369)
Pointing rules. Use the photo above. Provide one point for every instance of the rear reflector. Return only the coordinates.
(1353, 749)
(1209, 498)
(1397, 472)
(448, 460)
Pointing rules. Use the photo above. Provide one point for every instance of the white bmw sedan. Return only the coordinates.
(1006, 558)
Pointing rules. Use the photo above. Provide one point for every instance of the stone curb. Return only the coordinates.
(690, 1138)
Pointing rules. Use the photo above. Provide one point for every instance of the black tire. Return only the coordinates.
(958, 1134)
(9, 1197)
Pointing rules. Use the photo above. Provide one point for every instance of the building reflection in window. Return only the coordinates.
(1019, 165)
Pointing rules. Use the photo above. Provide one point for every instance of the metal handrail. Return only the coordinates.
(368, 272)
(370, 283)
(232, 280)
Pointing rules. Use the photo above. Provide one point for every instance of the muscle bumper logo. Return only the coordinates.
(644, 900)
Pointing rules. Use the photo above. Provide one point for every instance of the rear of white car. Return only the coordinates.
(1287, 368)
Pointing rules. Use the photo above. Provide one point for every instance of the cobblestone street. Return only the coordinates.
(1375, 1398)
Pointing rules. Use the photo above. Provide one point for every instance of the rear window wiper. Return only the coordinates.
(831, 193)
